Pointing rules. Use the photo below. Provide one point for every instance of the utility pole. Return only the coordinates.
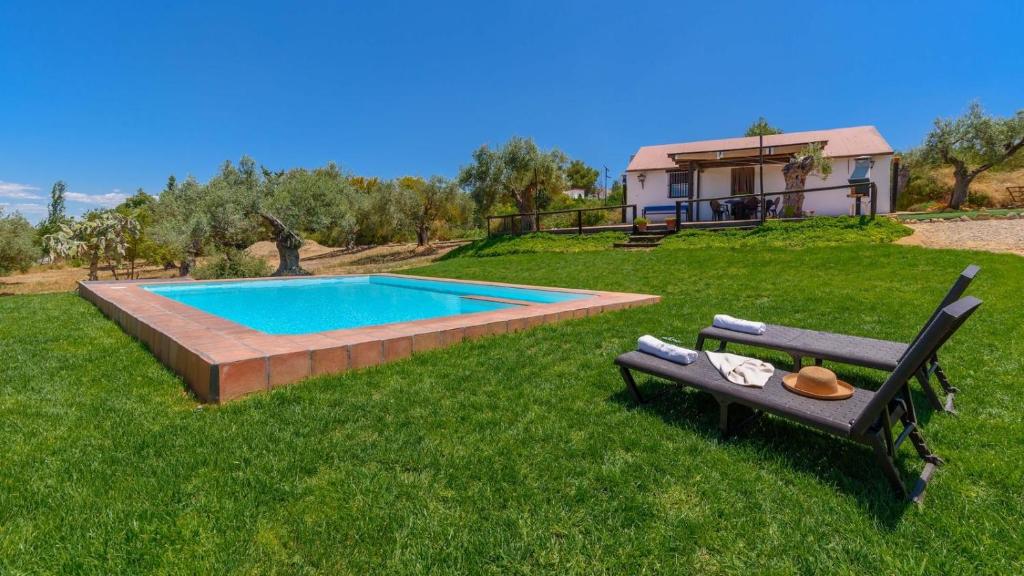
(760, 173)
(605, 182)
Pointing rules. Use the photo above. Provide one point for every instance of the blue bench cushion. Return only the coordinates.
(664, 209)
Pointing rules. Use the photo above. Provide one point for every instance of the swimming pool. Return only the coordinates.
(308, 305)
(230, 338)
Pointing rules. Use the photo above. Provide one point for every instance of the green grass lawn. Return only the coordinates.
(519, 453)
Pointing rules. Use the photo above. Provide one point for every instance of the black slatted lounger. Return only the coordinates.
(856, 350)
(867, 417)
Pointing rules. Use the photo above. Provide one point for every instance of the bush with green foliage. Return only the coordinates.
(819, 231)
(923, 188)
(18, 244)
(232, 264)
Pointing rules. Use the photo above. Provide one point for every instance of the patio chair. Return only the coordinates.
(718, 211)
(801, 343)
(867, 417)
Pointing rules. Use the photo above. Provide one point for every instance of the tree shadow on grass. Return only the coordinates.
(840, 464)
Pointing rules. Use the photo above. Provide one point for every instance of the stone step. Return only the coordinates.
(635, 245)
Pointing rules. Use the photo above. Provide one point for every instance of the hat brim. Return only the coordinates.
(843, 391)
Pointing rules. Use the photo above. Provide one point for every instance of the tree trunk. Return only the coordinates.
(961, 186)
(288, 244)
(189, 261)
(795, 172)
(902, 179)
(422, 236)
(526, 205)
(94, 266)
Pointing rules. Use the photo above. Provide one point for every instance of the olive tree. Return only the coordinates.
(425, 204)
(517, 170)
(321, 202)
(18, 247)
(582, 176)
(809, 160)
(179, 223)
(972, 144)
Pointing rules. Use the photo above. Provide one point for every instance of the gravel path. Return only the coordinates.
(988, 235)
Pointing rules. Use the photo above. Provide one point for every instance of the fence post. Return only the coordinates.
(874, 199)
(633, 222)
(537, 222)
(579, 222)
(679, 213)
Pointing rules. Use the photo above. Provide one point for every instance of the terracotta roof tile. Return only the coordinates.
(840, 142)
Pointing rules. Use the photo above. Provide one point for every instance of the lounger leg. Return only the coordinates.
(700, 343)
(886, 460)
(818, 362)
(933, 398)
(948, 388)
(733, 417)
(627, 377)
(798, 363)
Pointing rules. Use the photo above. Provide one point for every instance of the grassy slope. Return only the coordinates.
(519, 453)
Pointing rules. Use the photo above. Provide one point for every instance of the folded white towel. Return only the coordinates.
(738, 325)
(742, 370)
(651, 345)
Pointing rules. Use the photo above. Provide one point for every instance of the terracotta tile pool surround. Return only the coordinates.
(221, 360)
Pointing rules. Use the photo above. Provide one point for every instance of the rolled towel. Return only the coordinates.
(651, 345)
(738, 325)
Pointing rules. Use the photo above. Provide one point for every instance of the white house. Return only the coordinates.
(575, 193)
(659, 176)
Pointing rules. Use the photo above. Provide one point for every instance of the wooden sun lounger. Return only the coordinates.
(800, 343)
(867, 417)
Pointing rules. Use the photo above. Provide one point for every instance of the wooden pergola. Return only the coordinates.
(694, 162)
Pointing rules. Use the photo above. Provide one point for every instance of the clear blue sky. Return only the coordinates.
(114, 97)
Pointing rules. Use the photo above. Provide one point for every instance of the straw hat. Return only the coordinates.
(817, 382)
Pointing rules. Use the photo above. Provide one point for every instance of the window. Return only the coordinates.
(743, 180)
(678, 184)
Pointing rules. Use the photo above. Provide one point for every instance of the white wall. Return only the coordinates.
(716, 183)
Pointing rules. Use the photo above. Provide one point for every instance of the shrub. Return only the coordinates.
(922, 187)
(18, 248)
(979, 200)
(232, 264)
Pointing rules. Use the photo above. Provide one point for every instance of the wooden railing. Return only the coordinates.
(563, 220)
(869, 190)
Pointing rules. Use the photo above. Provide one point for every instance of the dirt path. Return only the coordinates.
(315, 258)
(988, 235)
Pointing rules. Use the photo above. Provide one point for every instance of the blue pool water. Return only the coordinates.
(311, 305)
